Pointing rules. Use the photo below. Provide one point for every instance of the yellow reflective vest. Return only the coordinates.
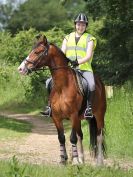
(77, 51)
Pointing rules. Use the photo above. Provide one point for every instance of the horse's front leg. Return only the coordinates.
(76, 133)
(61, 138)
(80, 150)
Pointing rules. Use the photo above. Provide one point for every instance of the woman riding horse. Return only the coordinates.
(79, 46)
(65, 98)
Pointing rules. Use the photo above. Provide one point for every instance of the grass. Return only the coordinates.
(12, 129)
(14, 168)
(119, 124)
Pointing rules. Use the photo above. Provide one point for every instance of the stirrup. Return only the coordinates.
(88, 113)
(47, 113)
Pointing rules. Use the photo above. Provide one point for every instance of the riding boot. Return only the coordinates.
(88, 112)
(47, 112)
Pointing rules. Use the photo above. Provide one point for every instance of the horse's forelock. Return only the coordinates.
(37, 45)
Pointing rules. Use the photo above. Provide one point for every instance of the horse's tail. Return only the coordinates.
(93, 134)
(93, 137)
(104, 146)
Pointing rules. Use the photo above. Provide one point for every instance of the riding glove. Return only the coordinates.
(74, 63)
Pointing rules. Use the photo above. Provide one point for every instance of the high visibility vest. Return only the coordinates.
(77, 51)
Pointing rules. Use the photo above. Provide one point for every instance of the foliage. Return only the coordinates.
(114, 61)
(15, 49)
(42, 15)
(18, 48)
(109, 21)
(17, 92)
(6, 11)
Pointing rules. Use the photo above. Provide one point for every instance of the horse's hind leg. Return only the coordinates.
(100, 139)
(61, 138)
(97, 139)
(100, 147)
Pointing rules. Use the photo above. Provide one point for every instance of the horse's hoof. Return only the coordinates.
(63, 162)
(99, 162)
(92, 154)
(75, 161)
(81, 160)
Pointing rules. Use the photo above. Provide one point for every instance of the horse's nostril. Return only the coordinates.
(19, 69)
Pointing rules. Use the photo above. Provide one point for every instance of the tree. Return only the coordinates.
(6, 10)
(41, 14)
(115, 55)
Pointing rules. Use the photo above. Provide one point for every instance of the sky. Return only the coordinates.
(4, 1)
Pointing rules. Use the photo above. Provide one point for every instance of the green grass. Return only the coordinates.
(12, 129)
(14, 168)
(118, 123)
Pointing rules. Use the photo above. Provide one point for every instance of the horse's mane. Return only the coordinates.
(35, 45)
(60, 51)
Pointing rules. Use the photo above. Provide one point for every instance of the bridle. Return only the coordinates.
(37, 59)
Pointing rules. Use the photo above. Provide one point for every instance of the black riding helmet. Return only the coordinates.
(81, 18)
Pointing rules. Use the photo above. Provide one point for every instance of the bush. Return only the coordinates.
(13, 51)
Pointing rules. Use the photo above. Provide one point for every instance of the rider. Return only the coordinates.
(79, 47)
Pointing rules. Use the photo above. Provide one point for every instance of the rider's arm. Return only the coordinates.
(89, 53)
(64, 44)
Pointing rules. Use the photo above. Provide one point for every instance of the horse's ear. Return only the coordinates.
(41, 38)
(38, 36)
(45, 40)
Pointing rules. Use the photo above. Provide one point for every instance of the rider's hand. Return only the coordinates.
(74, 63)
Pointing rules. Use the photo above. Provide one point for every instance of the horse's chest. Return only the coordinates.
(61, 103)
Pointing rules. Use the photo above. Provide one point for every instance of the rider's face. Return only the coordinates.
(80, 27)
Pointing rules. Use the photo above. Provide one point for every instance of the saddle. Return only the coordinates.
(82, 83)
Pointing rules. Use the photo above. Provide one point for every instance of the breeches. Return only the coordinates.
(90, 79)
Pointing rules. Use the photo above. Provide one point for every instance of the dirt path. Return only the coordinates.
(42, 147)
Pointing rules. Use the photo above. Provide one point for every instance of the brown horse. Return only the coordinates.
(67, 101)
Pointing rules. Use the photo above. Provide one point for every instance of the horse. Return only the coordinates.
(67, 102)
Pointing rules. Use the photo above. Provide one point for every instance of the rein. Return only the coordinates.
(54, 68)
(38, 58)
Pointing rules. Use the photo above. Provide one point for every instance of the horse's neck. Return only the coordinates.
(58, 58)
(60, 77)
(59, 69)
